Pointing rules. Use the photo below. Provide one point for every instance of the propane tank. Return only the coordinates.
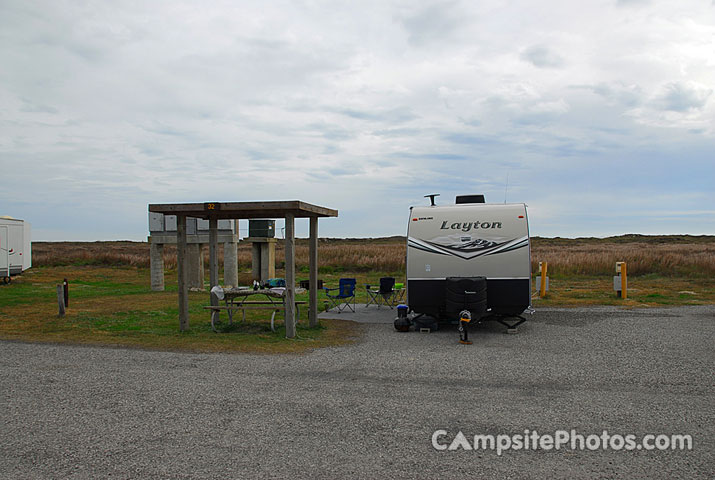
(402, 323)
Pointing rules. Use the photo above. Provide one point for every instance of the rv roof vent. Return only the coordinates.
(470, 199)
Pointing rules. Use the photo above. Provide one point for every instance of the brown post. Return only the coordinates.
(181, 267)
(290, 319)
(313, 282)
(213, 257)
(60, 301)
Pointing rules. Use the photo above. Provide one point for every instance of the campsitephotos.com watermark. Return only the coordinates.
(559, 440)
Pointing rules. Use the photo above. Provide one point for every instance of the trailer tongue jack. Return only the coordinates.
(465, 317)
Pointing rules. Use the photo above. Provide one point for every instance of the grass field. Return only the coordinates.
(115, 306)
(111, 303)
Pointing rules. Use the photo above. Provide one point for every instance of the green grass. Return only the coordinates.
(114, 305)
(643, 291)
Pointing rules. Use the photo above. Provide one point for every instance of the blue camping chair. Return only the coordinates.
(341, 296)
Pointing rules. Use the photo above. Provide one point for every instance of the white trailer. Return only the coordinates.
(15, 247)
(469, 239)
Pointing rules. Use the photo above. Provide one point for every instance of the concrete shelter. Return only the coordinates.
(214, 211)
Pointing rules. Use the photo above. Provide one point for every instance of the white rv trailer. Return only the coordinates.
(469, 239)
(15, 247)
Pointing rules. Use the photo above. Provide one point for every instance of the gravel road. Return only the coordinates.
(369, 410)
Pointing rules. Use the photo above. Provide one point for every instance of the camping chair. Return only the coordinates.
(384, 295)
(345, 292)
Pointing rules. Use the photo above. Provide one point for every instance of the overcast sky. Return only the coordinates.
(601, 114)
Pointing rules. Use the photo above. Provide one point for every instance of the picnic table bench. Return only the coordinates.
(236, 299)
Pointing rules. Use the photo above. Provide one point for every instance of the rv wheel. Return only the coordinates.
(6, 280)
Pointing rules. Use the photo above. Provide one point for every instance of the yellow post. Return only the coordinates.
(543, 266)
(624, 281)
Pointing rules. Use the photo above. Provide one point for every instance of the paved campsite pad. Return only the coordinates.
(368, 410)
(363, 314)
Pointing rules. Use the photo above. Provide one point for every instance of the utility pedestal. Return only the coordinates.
(264, 258)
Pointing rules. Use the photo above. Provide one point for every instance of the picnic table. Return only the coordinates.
(241, 298)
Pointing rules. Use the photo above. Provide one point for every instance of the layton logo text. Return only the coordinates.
(467, 226)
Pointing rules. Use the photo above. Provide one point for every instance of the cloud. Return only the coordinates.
(435, 22)
(624, 95)
(681, 97)
(633, 3)
(361, 108)
(542, 57)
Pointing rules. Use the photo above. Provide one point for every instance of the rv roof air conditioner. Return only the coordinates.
(469, 199)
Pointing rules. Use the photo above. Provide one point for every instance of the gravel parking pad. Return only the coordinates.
(369, 410)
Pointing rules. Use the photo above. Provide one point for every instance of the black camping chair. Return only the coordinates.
(385, 295)
(340, 300)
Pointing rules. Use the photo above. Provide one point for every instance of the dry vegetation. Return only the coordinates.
(684, 256)
(643, 257)
(353, 255)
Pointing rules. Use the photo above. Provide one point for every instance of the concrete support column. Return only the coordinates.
(156, 261)
(290, 275)
(230, 264)
(256, 261)
(268, 261)
(263, 250)
(195, 261)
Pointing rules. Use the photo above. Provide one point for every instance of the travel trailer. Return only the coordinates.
(466, 240)
(15, 247)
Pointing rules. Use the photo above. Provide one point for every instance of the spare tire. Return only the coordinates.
(454, 297)
(470, 284)
(466, 293)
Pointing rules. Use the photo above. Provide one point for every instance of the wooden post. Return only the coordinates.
(181, 267)
(544, 272)
(213, 257)
(290, 275)
(61, 300)
(313, 282)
